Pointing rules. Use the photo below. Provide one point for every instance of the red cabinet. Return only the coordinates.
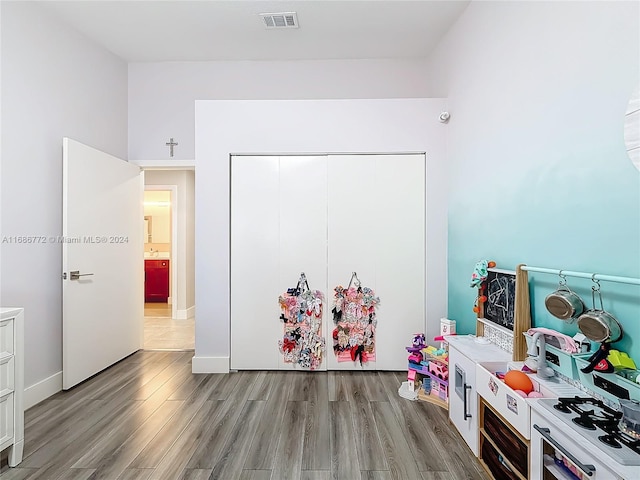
(156, 281)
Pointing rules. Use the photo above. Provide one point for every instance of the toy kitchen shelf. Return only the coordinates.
(424, 370)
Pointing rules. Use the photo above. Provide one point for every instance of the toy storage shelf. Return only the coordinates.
(423, 370)
(433, 399)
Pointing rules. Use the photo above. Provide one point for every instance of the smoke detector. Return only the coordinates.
(280, 20)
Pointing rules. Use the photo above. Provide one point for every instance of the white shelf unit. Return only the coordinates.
(12, 383)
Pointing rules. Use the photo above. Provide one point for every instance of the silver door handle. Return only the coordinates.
(75, 275)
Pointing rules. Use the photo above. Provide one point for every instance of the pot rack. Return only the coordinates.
(592, 276)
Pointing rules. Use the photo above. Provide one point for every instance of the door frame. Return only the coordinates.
(175, 288)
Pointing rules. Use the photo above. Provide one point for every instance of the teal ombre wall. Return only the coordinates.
(537, 162)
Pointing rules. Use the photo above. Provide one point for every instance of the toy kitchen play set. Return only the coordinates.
(534, 403)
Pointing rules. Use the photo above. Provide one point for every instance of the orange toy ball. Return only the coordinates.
(491, 264)
(518, 381)
(476, 309)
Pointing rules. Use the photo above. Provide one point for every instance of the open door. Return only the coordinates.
(101, 260)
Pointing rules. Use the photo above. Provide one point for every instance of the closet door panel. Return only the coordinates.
(352, 228)
(400, 261)
(254, 262)
(303, 230)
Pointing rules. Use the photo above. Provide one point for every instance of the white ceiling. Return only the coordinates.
(158, 30)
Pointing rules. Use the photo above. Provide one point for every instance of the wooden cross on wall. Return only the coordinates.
(171, 144)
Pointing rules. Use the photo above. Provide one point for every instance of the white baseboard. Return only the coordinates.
(209, 364)
(185, 314)
(42, 390)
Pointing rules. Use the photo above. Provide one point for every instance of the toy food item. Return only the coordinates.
(518, 381)
(521, 393)
(534, 394)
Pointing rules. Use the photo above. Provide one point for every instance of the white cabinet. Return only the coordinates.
(11, 383)
(463, 397)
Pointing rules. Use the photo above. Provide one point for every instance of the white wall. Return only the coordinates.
(304, 126)
(539, 172)
(184, 180)
(55, 83)
(162, 95)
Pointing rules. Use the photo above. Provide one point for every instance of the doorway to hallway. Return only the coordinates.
(169, 260)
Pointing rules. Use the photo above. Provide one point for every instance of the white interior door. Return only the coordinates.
(303, 232)
(255, 265)
(376, 228)
(278, 231)
(102, 233)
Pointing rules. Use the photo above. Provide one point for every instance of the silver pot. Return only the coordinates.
(630, 422)
(564, 304)
(598, 325)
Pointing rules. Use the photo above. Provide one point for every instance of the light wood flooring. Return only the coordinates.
(149, 417)
(161, 332)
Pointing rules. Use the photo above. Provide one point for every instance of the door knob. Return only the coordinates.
(75, 275)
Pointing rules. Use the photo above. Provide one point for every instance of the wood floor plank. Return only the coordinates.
(155, 450)
(255, 475)
(368, 444)
(261, 386)
(315, 475)
(230, 462)
(436, 476)
(402, 463)
(18, 473)
(288, 460)
(227, 385)
(220, 427)
(261, 454)
(175, 459)
(78, 474)
(375, 389)
(117, 455)
(457, 457)
(316, 454)
(300, 385)
(196, 474)
(421, 440)
(81, 438)
(375, 475)
(189, 386)
(136, 474)
(344, 457)
(338, 391)
(107, 449)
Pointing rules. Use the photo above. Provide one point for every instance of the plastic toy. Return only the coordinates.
(438, 370)
(477, 280)
(518, 381)
(620, 360)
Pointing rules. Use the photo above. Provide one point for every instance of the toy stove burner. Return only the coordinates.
(594, 414)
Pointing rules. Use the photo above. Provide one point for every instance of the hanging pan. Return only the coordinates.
(563, 303)
(597, 324)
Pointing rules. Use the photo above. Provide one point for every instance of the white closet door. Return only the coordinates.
(400, 262)
(303, 232)
(376, 227)
(255, 266)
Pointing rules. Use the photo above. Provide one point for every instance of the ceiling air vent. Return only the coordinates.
(280, 20)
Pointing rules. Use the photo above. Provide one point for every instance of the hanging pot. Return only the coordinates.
(630, 422)
(598, 325)
(563, 303)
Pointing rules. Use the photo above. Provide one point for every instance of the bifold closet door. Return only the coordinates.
(278, 230)
(376, 228)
